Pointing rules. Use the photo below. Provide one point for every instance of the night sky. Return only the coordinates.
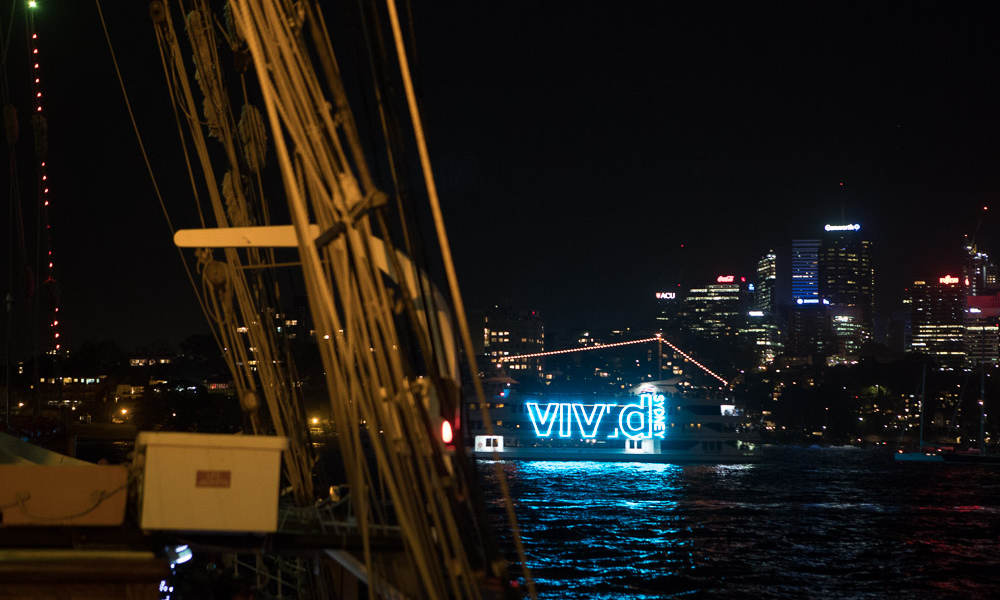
(576, 146)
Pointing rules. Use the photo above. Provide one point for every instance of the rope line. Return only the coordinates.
(149, 166)
(502, 359)
(21, 501)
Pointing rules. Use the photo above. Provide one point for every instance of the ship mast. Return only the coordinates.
(387, 405)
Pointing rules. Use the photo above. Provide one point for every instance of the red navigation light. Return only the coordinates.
(446, 434)
(743, 279)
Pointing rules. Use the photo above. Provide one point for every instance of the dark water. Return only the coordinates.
(805, 523)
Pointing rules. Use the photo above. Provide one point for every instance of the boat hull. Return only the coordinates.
(918, 457)
(614, 455)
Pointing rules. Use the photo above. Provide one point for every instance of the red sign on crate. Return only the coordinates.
(213, 479)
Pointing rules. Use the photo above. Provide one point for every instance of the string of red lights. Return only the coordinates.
(40, 124)
(687, 356)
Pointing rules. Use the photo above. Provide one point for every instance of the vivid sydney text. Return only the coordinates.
(644, 419)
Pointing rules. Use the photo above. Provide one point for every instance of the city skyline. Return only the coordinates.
(582, 203)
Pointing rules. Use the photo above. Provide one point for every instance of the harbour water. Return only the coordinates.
(803, 523)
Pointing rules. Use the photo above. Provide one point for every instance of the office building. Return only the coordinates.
(668, 305)
(847, 281)
(982, 330)
(937, 320)
(805, 270)
(979, 271)
(808, 329)
(508, 332)
(765, 288)
(717, 311)
(846, 334)
(763, 336)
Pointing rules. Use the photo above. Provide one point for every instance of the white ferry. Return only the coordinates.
(656, 423)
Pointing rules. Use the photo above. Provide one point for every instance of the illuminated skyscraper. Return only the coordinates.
(668, 304)
(938, 320)
(717, 311)
(763, 336)
(766, 296)
(805, 270)
(980, 271)
(847, 276)
(982, 330)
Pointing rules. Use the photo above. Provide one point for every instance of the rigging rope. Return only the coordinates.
(149, 166)
(456, 294)
(368, 380)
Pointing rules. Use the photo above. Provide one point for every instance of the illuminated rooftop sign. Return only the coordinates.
(645, 419)
(948, 279)
(755, 313)
(725, 279)
(666, 295)
(848, 227)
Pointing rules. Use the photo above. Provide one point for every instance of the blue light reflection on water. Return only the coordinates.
(846, 524)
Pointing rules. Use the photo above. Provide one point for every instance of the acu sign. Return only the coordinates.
(644, 419)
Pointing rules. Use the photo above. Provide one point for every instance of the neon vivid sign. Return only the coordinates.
(850, 227)
(645, 419)
(666, 295)
(725, 278)
(948, 279)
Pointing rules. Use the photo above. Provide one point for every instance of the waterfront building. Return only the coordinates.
(508, 332)
(937, 320)
(805, 270)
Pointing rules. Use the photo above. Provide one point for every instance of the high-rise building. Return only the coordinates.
(508, 332)
(847, 281)
(982, 330)
(805, 270)
(765, 288)
(717, 311)
(808, 329)
(668, 304)
(979, 271)
(764, 337)
(846, 333)
(938, 320)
